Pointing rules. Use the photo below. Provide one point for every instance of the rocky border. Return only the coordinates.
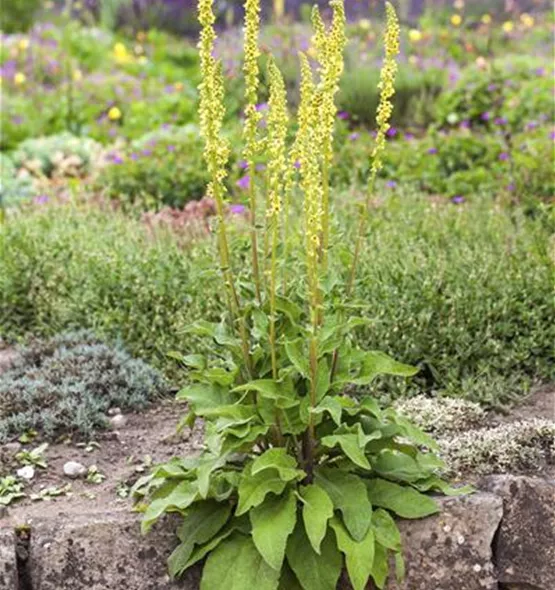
(502, 537)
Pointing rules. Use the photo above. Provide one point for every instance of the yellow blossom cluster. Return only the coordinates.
(250, 70)
(386, 87)
(277, 134)
(121, 55)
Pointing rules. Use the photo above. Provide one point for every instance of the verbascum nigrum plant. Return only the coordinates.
(297, 480)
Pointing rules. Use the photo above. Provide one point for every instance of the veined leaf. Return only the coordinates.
(348, 494)
(380, 567)
(281, 393)
(288, 580)
(436, 483)
(272, 523)
(332, 405)
(314, 572)
(204, 396)
(402, 500)
(254, 488)
(396, 465)
(359, 556)
(377, 363)
(349, 443)
(386, 530)
(279, 459)
(317, 510)
(237, 565)
(181, 497)
(202, 522)
(298, 357)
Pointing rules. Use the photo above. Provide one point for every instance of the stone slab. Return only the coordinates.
(8, 563)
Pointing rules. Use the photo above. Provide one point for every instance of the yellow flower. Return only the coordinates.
(456, 20)
(508, 26)
(178, 86)
(415, 35)
(121, 54)
(413, 59)
(142, 60)
(311, 52)
(527, 20)
(364, 24)
(77, 75)
(23, 44)
(19, 79)
(114, 114)
(486, 19)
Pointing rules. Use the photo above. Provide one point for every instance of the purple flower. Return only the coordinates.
(465, 124)
(500, 121)
(40, 199)
(238, 209)
(409, 136)
(117, 159)
(532, 125)
(485, 116)
(432, 151)
(343, 115)
(511, 187)
(17, 119)
(147, 153)
(492, 87)
(503, 156)
(243, 164)
(457, 199)
(391, 184)
(297, 164)
(552, 135)
(171, 148)
(134, 156)
(391, 132)
(244, 182)
(354, 136)
(539, 71)
(263, 106)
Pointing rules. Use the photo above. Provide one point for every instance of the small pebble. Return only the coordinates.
(114, 411)
(27, 472)
(477, 568)
(460, 540)
(118, 421)
(73, 469)
(13, 447)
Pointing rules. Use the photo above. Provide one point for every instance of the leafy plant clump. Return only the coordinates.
(297, 480)
(66, 385)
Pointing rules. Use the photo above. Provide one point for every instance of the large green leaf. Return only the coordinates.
(282, 393)
(298, 357)
(202, 522)
(348, 494)
(181, 497)
(314, 571)
(254, 488)
(272, 523)
(396, 465)
(377, 363)
(402, 500)
(203, 396)
(288, 580)
(317, 510)
(359, 556)
(386, 530)
(332, 405)
(279, 459)
(237, 565)
(380, 567)
(349, 443)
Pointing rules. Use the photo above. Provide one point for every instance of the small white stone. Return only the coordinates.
(447, 528)
(460, 539)
(73, 469)
(114, 411)
(27, 472)
(477, 568)
(118, 421)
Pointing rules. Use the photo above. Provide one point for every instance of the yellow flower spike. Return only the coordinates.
(216, 154)
(19, 78)
(456, 20)
(114, 114)
(385, 109)
(486, 19)
(277, 164)
(508, 26)
(415, 35)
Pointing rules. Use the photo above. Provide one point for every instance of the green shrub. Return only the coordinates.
(18, 15)
(160, 168)
(463, 292)
(13, 189)
(67, 384)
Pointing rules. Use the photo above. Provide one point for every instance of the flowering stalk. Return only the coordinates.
(216, 153)
(252, 118)
(277, 163)
(385, 110)
(329, 47)
(311, 185)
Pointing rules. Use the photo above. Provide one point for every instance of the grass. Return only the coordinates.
(463, 292)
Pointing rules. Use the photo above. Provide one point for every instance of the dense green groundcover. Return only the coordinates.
(462, 291)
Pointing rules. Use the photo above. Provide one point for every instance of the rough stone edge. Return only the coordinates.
(8, 560)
